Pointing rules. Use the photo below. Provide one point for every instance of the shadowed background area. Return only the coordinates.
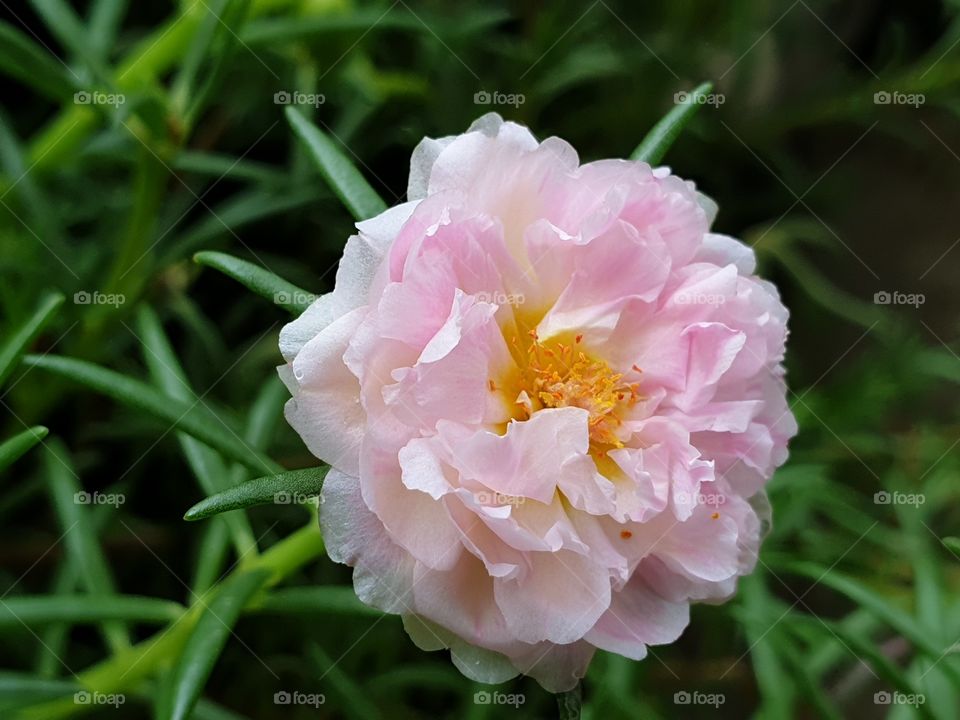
(133, 135)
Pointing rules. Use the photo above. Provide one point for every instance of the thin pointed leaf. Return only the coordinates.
(19, 690)
(232, 21)
(355, 703)
(284, 488)
(221, 167)
(259, 280)
(14, 448)
(36, 202)
(64, 24)
(344, 179)
(207, 710)
(104, 20)
(211, 556)
(656, 143)
(860, 644)
(72, 505)
(23, 59)
(42, 609)
(238, 211)
(206, 641)
(20, 339)
(198, 49)
(284, 29)
(777, 688)
(864, 597)
(191, 418)
(208, 467)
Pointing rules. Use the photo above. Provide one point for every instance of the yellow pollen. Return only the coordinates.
(554, 377)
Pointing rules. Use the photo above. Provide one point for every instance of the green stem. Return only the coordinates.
(126, 669)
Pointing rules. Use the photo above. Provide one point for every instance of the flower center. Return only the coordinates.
(555, 374)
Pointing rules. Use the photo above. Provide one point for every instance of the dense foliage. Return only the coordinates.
(136, 382)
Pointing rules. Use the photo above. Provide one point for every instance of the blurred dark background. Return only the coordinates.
(830, 143)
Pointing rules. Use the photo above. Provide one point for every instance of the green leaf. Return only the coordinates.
(221, 167)
(20, 690)
(35, 200)
(41, 609)
(65, 25)
(952, 544)
(232, 20)
(808, 684)
(207, 639)
(198, 50)
(828, 631)
(191, 418)
(211, 556)
(15, 447)
(344, 179)
(263, 282)
(26, 61)
(283, 489)
(238, 211)
(207, 465)
(20, 339)
(104, 19)
(72, 504)
(322, 599)
(864, 597)
(656, 143)
(777, 688)
(280, 30)
(355, 703)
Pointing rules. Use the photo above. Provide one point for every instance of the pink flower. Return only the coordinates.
(550, 398)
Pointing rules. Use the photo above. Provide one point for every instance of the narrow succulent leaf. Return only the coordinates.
(259, 280)
(285, 488)
(191, 418)
(19, 340)
(14, 448)
(344, 179)
(33, 610)
(207, 640)
(656, 143)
